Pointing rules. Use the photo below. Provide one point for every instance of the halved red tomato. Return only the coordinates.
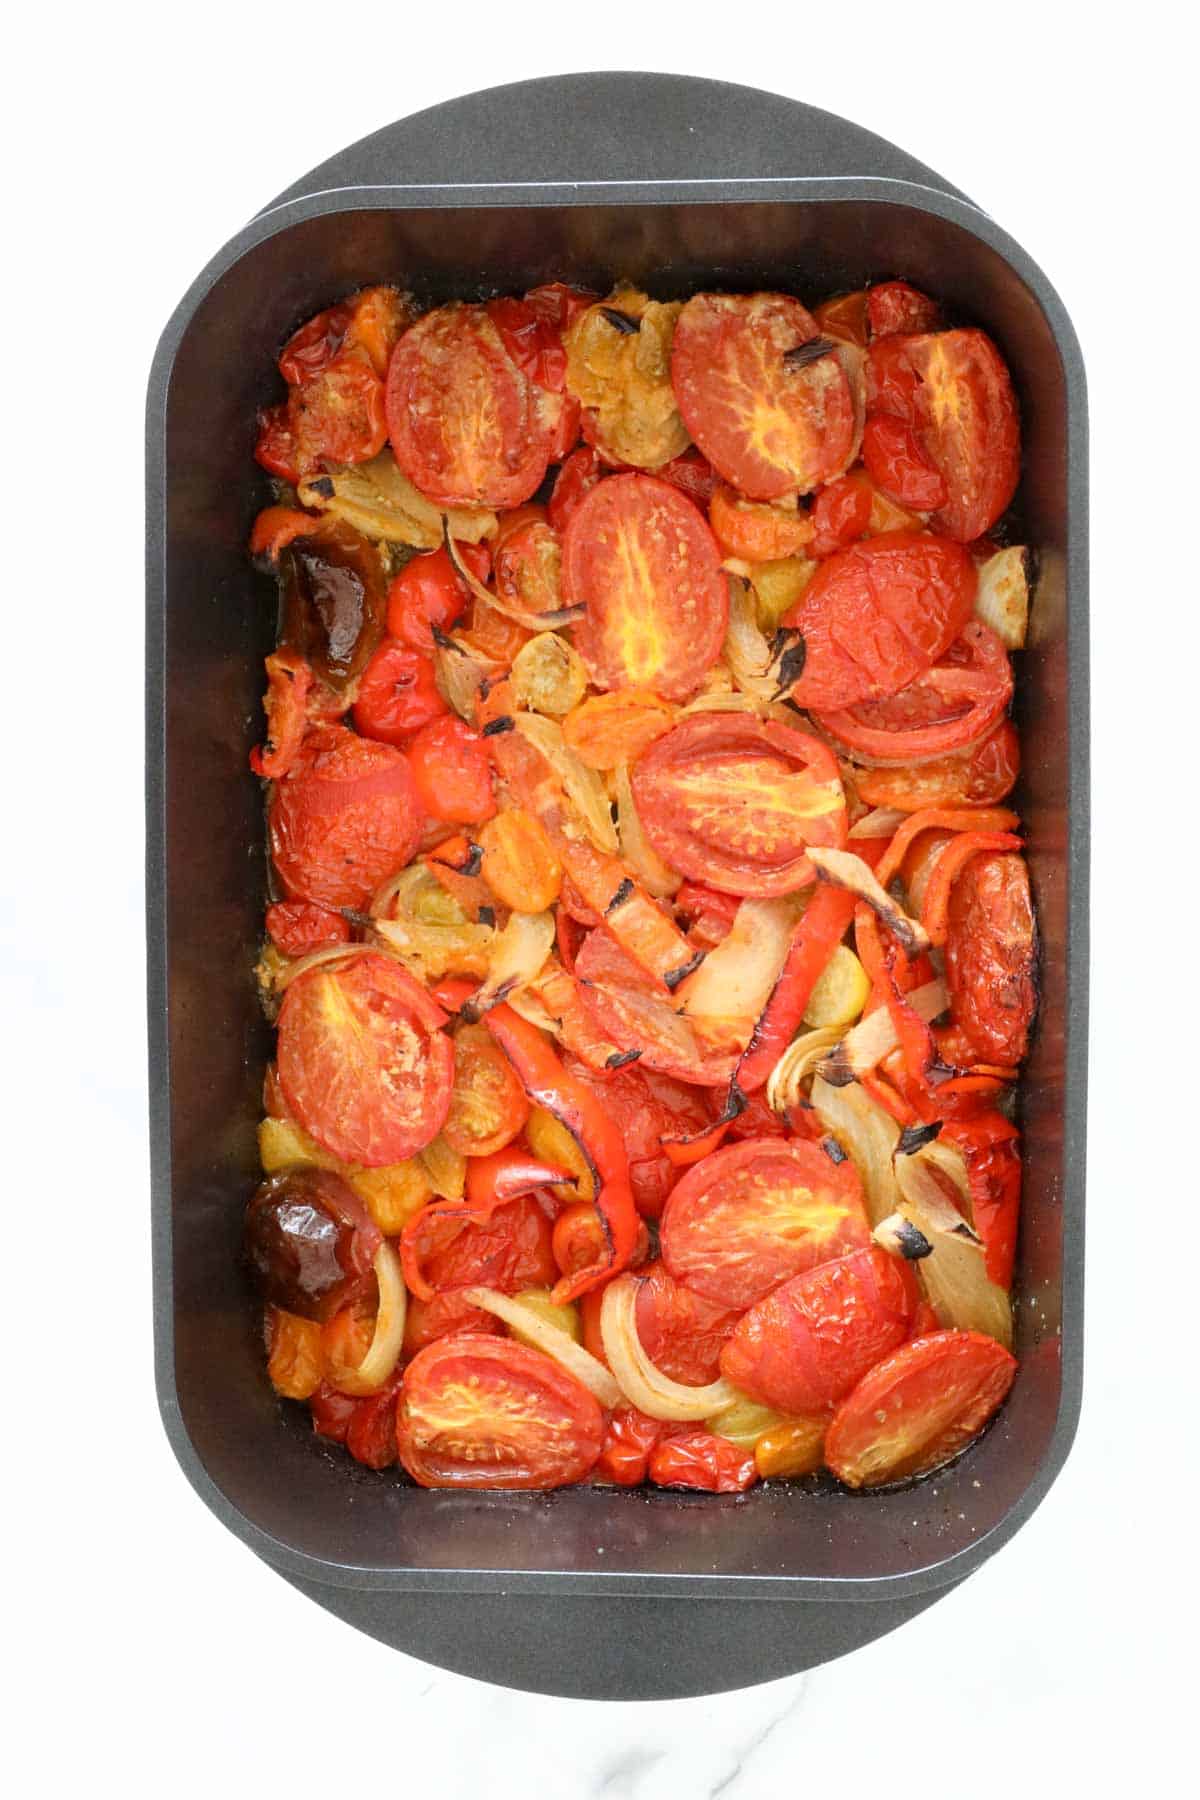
(362, 1061)
(338, 416)
(756, 1213)
(467, 427)
(578, 475)
(631, 1010)
(978, 776)
(681, 1332)
(808, 1343)
(770, 423)
(758, 530)
(953, 389)
(918, 1408)
(639, 556)
(735, 801)
(343, 819)
(483, 1412)
(899, 466)
(878, 614)
(949, 706)
(991, 956)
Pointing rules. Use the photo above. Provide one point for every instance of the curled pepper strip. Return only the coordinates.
(549, 1085)
(507, 1174)
(815, 936)
(946, 870)
(891, 975)
(289, 678)
(941, 818)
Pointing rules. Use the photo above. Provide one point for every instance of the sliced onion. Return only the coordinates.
(853, 359)
(550, 1340)
(379, 500)
(383, 1353)
(880, 822)
(785, 1084)
(329, 953)
(518, 957)
(868, 1135)
(643, 862)
(642, 1384)
(954, 1273)
(874, 1037)
(1002, 596)
(520, 615)
(841, 868)
(583, 786)
(459, 671)
(528, 1005)
(446, 1169)
(548, 675)
(747, 652)
(728, 992)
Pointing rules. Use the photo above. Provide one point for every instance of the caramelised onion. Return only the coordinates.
(785, 1084)
(954, 1272)
(1002, 596)
(874, 1037)
(459, 671)
(520, 615)
(379, 500)
(445, 1168)
(869, 1136)
(642, 1384)
(880, 822)
(845, 870)
(518, 957)
(727, 993)
(550, 1339)
(429, 932)
(314, 959)
(383, 1352)
(853, 359)
(583, 786)
(747, 652)
(645, 864)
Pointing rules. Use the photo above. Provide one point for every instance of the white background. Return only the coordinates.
(152, 1649)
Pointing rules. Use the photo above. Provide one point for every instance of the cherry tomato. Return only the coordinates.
(369, 321)
(949, 706)
(338, 415)
(697, 1459)
(845, 316)
(641, 558)
(953, 390)
(734, 802)
(806, 1344)
(681, 1332)
(313, 347)
(991, 1150)
(918, 1408)
(757, 530)
(840, 513)
(371, 1431)
(629, 1438)
(481, 1412)
(429, 592)
(693, 475)
(275, 448)
(991, 956)
(488, 1107)
(877, 615)
(528, 567)
(980, 775)
(756, 1213)
(899, 467)
(451, 772)
(579, 1239)
(894, 306)
(532, 338)
(332, 1412)
(397, 694)
(298, 926)
(275, 528)
(362, 1062)
(578, 475)
(767, 427)
(467, 427)
(289, 681)
(646, 1106)
(343, 819)
(558, 303)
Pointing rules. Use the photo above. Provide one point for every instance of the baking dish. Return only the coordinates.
(675, 183)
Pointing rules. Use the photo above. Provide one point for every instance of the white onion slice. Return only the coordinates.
(315, 959)
(881, 822)
(383, 1353)
(582, 786)
(643, 862)
(1002, 597)
(954, 1274)
(785, 1084)
(841, 868)
(728, 992)
(520, 615)
(644, 1385)
(549, 1339)
(868, 1135)
(518, 957)
(874, 1037)
(747, 652)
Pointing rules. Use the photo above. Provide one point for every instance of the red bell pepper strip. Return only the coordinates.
(815, 936)
(549, 1085)
(276, 527)
(453, 991)
(506, 1175)
(950, 863)
(288, 681)
(890, 972)
(941, 818)
(990, 1149)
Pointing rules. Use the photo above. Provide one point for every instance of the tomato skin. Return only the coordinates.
(578, 1241)
(642, 559)
(948, 707)
(289, 682)
(275, 448)
(559, 303)
(629, 1438)
(918, 1407)
(899, 467)
(845, 316)
(362, 1062)
(275, 528)
(755, 530)
(646, 1107)
(808, 1343)
(982, 774)
(449, 1245)
(528, 564)
(693, 475)
(840, 513)
(444, 1316)
(697, 1459)
(397, 694)
(344, 818)
(484, 1412)
(451, 773)
(332, 1412)
(429, 591)
(371, 1430)
(709, 914)
(681, 1332)
(532, 340)
(467, 427)
(878, 614)
(733, 802)
(754, 1214)
(990, 1146)
(894, 306)
(991, 956)
(297, 926)
(766, 428)
(577, 477)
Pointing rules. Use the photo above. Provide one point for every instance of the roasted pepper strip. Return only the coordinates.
(941, 818)
(815, 936)
(891, 975)
(507, 1174)
(946, 870)
(549, 1085)
(288, 680)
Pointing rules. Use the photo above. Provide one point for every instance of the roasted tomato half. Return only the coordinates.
(484, 1412)
(980, 775)
(991, 956)
(681, 1332)
(343, 819)
(735, 801)
(756, 1213)
(947, 708)
(770, 421)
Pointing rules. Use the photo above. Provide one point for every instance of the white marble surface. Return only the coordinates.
(152, 1653)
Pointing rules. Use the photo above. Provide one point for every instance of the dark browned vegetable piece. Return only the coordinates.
(305, 1243)
(334, 602)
